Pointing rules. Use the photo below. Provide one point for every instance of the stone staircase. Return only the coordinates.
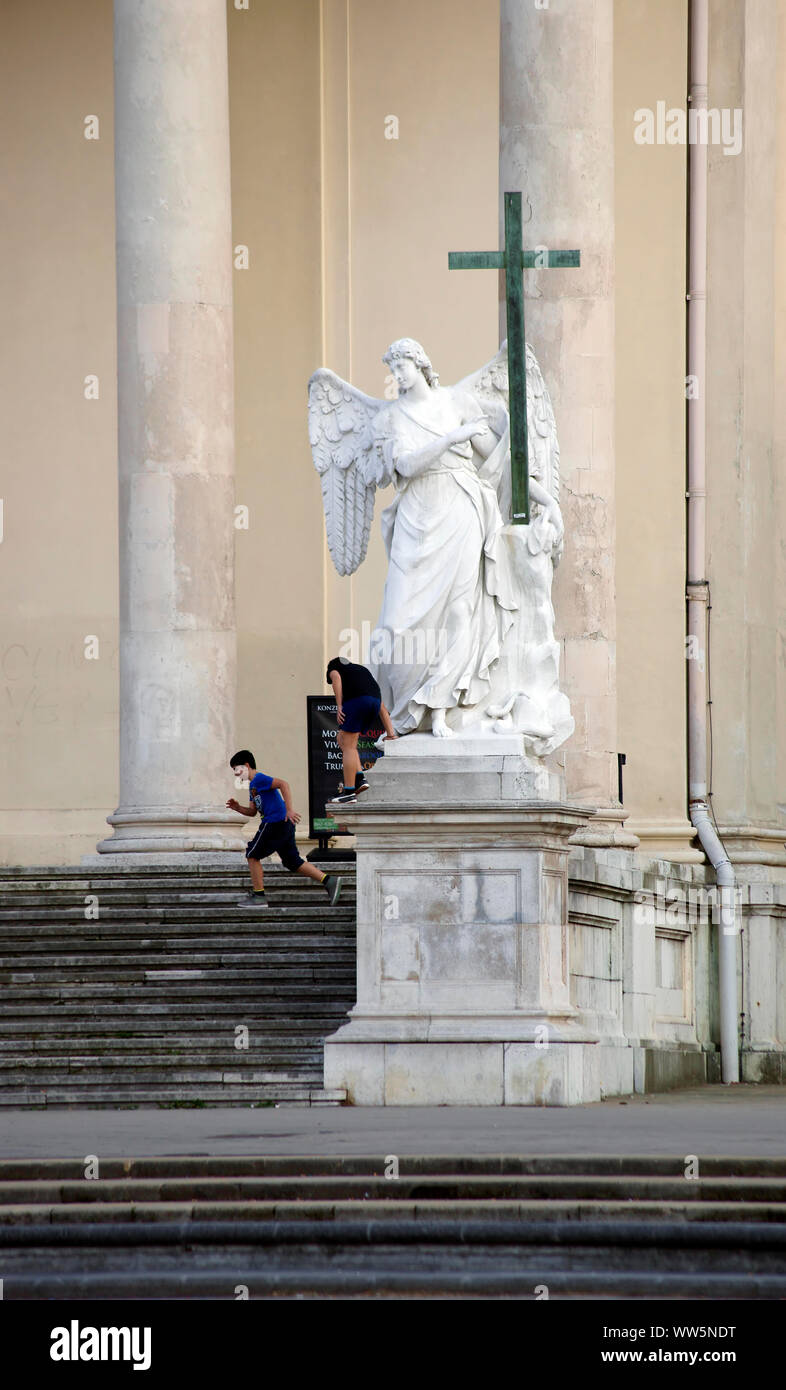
(493, 1226)
(142, 1006)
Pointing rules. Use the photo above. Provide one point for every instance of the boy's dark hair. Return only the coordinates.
(240, 759)
(335, 665)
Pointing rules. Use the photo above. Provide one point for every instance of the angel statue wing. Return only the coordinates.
(340, 429)
(490, 386)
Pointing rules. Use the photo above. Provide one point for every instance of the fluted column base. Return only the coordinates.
(171, 830)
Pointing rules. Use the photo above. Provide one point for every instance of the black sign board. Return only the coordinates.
(324, 763)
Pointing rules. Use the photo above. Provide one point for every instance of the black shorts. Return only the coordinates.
(361, 713)
(276, 837)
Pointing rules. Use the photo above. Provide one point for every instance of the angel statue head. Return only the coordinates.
(409, 350)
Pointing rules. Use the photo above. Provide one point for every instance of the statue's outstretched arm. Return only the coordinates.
(409, 465)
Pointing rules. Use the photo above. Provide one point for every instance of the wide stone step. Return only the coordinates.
(224, 986)
(164, 1070)
(141, 1005)
(184, 1020)
(288, 954)
(495, 1258)
(491, 1226)
(735, 1241)
(176, 942)
(186, 1097)
(137, 1030)
(150, 890)
(172, 878)
(277, 954)
(79, 1032)
(58, 880)
(249, 925)
(178, 1016)
(622, 1166)
(222, 905)
(188, 1274)
(289, 974)
(302, 968)
(106, 1213)
(146, 1071)
(74, 1066)
(218, 1053)
(421, 1187)
(33, 1050)
(43, 878)
(190, 913)
(284, 887)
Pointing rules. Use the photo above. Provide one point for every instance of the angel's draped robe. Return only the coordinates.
(447, 604)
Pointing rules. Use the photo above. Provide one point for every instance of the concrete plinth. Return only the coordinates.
(464, 1073)
(463, 945)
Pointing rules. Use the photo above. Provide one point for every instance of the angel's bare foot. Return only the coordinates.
(438, 726)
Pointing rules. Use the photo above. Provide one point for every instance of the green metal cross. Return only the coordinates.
(513, 260)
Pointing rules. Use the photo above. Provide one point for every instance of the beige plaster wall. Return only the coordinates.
(779, 432)
(409, 201)
(274, 71)
(348, 235)
(58, 567)
(745, 305)
(650, 65)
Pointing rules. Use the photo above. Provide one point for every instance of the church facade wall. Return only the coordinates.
(58, 708)
(347, 233)
(650, 66)
(746, 510)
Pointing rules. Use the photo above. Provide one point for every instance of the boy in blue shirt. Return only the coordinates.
(272, 798)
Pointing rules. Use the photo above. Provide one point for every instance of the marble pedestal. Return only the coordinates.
(463, 994)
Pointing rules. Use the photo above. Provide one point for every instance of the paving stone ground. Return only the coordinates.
(727, 1120)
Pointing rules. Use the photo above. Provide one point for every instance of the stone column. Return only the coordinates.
(175, 408)
(557, 148)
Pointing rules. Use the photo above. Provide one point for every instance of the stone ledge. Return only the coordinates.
(188, 860)
(468, 1073)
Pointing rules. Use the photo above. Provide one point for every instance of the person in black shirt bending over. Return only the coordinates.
(359, 708)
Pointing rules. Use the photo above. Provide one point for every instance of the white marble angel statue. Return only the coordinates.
(465, 637)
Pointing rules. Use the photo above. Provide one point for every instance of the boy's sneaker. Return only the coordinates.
(332, 884)
(344, 797)
(253, 899)
(361, 786)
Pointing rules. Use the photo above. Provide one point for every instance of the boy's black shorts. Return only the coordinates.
(276, 837)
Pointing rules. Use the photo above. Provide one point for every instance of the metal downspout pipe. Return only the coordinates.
(697, 587)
